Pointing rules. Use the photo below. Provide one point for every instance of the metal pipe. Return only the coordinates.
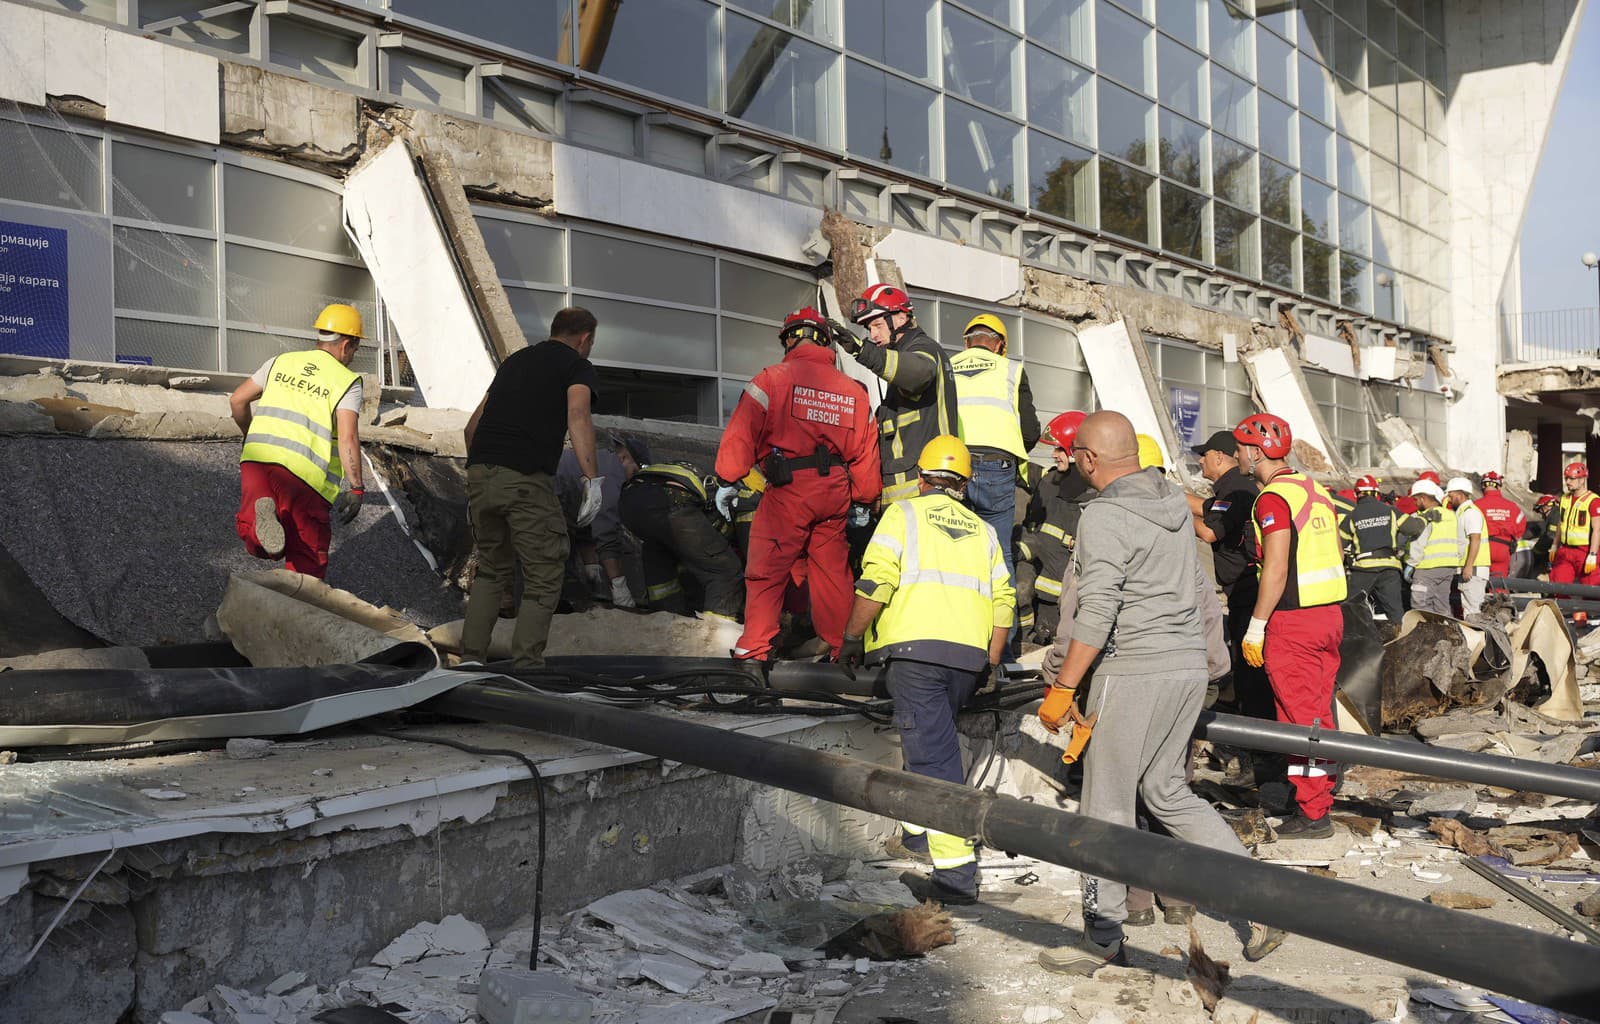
(1435, 762)
(1552, 971)
(1569, 921)
(1517, 584)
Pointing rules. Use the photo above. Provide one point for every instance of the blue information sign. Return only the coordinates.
(1184, 404)
(33, 291)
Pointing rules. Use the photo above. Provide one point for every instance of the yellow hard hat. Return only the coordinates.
(1150, 453)
(946, 454)
(990, 322)
(340, 319)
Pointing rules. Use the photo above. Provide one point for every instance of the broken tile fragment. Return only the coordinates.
(1459, 900)
(758, 965)
(285, 983)
(455, 934)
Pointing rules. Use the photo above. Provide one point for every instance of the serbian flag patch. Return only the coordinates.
(1221, 506)
(1269, 519)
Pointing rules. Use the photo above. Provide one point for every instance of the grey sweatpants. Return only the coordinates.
(1140, 744)
(1430, 589)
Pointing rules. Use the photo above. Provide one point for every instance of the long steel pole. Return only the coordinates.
(1551, 971)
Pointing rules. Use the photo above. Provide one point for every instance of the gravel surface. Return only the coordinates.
(134, 540)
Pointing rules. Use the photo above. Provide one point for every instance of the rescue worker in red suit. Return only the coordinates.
(1577, 542)
(1298, 624)
(1507, 523)
(809, 428)
(1405, 504)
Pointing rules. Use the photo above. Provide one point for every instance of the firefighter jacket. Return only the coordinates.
(1439, 544)
(1316, 562)
(1507, 525)
(994, 405)
(1371, 534)
(1573, 519)
(939, 573)
(918, 406)
(1482, 559)
(795, 407)
(294, 425)
(1052, 519)
(677, 473)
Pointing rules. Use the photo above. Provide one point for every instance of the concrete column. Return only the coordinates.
(1549, 441)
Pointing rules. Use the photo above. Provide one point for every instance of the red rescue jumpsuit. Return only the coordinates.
(1574, 519)
(1507, 522)
(793, 408)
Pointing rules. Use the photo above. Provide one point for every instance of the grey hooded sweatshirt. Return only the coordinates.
(1135, 564)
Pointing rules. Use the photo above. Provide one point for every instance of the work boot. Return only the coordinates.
(269, 532)
(1141, 918)
(1263, 940)
(1084, 958)
(1302, 827)
(895, 846)
(925, 889)
(1183, 913)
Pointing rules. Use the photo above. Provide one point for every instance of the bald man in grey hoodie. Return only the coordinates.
(1139, 631)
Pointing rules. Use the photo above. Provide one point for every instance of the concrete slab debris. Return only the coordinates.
(652, 922)
(672, 972)
(283, 618)
(248, 748)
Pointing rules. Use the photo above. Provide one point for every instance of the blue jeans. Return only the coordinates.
(926, 699)
(992, 492)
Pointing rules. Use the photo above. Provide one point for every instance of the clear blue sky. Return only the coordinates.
(1563, 219)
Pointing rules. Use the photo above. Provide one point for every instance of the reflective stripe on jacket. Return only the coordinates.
(1439, 547)
(674, 473)
(1572, 529)
(988, 400)
(939, 572)
(906, 421)
(1482, 559)
(294, 425)
(1371, 529)
(1316, 562)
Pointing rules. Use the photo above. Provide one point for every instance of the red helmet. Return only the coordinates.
(1575, 470)
(1493, 479)
(1063, 430)
(1545, 503)
(1367, 484)
(1430, 476)
(808, 324)
(879, 300)
(1265, 431)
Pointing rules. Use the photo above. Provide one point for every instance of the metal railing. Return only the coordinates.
(1550, 334)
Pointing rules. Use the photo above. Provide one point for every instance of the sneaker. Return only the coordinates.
(1263, 940)
(1183, 913)
(1302, 827)
(269, 532)
(895, 846)
(1141, 918)
(1085, 958)
(925, 889)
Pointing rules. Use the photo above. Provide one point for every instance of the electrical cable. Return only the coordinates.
(539, 799)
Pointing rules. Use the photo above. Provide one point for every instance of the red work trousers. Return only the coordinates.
(801, 520)
(302, 512)
(1567, 566)
(1302, 656)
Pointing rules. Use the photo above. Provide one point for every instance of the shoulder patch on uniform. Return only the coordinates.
(1220, 505)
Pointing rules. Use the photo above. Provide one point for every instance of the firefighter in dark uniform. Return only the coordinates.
(1050, 524)
(1370, 531)
(667, 507)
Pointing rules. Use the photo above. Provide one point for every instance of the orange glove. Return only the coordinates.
(1590, 564)
(1255, 643)
(1057, 706)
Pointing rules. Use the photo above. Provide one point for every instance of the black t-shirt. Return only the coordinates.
(524, 422)
(1227, 514)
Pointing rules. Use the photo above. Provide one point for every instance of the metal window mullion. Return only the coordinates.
(217, 212)
(151, 316)
(291, 250)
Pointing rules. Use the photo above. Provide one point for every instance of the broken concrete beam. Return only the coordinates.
(25, 418)
(610, 631)
(491, 162)
(1132, 993)
(33, 386)
(1063, 296)
(1312, 999)
(288, 117)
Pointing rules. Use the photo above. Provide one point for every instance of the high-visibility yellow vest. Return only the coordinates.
(1316, 561)
(1573, 531)
(294, 421)
(1441, 544)
(939, 572)
(988, 395)
(1482, 559)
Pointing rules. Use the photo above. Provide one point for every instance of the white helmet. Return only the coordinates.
(1460, 483)
(1429, 488)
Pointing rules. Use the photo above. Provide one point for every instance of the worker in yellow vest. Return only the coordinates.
(1576, 557)
(300, 442)
(1297, 626)
(1435, 552)
(1472, 532)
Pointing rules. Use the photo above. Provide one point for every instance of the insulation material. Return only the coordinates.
(1121, 381)
(1280, 385)
(391, 219)
(280, 618)
(1543, 632)
(610, 631)
(942, 266)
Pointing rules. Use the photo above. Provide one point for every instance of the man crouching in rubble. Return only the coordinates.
(1138, 629)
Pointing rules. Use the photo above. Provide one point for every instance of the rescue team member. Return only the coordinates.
(1050, 524)
(1371, 535)
(809, 428)
(997, 423)
(1507, 523)
(1435, 553)
(1137, 628)
(1577, 543)
(796, 599)
(599, 549)
(934, 601)
(920, 401)
(665, 505)
(1472, 528)
(1546, 508)
(1405, 504)
(1298, 625)
(299, 443)
(539, 395)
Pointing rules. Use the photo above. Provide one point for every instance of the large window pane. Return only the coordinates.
(1315, 90)
(1183, 19)
(1125, 125)
(1318, 269)
(1277, 255)
(1063, 25)
(316, 50)
(1355, 283)
(532, 26)
(1385, 185)
(183, 346)
(898, 33)
(534, 310)
(1234, 172)
(1316, 149)
(1381, 23)
(1349, 53)
(1183, 221)
(1315, 31)
(1317, 209)
(289, 291)
(1381, 78)
(1232, 38)
(50, 167)
(1353, 173)
(275, 209)
(664, 46)
(980, 151)
(781, 82)
(1274, 64)
(423, 79)
(229, 31)
(640, 334)
(162, 273)
(757, 292)
(1235, 233)
(1057, 390)
(1060, 96)
(1122, 49)
(978, 61)
(748, 348)
(604, 264)
(1182, 149)
(1233, 105)
(1051, 344)
(889, 118)
(1125, 201)
(168, 188)
(1277, 129)
(815, 19)
(1181, 70)
(1277, 191)
(1355, 226)
(1059, 178)
(525, 252)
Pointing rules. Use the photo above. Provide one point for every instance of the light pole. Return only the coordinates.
(1592, 261)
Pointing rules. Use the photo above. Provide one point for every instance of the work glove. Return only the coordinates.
(621, 596)
(1255, 643)
(725, 495)
(589, 507)
(860, 516)
(1057, 707)
(852, 652)
(844, 337)
(1590, 564)
(598, 584)
(348, 505)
